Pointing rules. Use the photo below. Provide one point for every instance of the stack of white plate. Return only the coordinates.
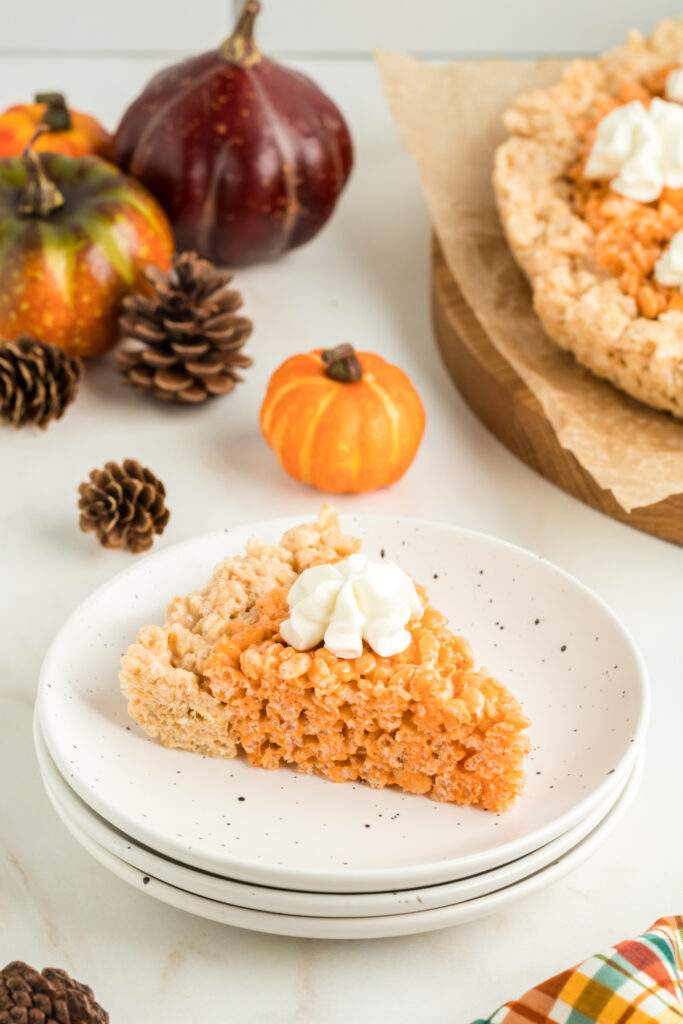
(295, 855)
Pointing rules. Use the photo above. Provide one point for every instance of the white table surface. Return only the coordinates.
(366, 279)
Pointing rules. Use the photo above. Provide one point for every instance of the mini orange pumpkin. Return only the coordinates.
(342, 421)
(68, 131)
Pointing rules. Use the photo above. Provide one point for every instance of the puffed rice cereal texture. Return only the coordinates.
(588, 252)
(217, 678)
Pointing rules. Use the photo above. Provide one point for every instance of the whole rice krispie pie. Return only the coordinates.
(589, 186)
(219, 678)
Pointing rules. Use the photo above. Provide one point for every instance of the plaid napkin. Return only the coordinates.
(639, 981)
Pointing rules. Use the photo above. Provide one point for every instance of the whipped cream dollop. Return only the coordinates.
(640, 149)
(673, 89)
(351, 601)
(669, 266)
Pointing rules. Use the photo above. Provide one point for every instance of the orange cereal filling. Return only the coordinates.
(425, 720)
(629, 236)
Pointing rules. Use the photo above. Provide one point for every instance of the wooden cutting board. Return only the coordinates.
(503, 402)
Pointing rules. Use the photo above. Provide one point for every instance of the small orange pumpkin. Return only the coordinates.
(68, 131)
(342, 421)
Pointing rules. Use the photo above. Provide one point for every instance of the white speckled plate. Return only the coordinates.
(553, 642)
(309, 904)
(357, 927)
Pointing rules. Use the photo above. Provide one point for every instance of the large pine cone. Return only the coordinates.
(48, 997)
(37, 382)
(181, 339)
(125, 505)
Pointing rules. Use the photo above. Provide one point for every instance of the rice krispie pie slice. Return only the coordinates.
(219, 678)
(589, 186)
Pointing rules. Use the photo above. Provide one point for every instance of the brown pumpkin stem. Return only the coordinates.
(56, 115)
(240, 48)
(40, 196)
(342, 364)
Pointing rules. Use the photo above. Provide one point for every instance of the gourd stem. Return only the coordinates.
(40, 196)
(56, 115)
(240, 48)
(342, 364)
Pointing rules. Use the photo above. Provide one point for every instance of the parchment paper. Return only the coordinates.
(450, 121)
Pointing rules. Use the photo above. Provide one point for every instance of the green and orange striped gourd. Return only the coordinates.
(75, 235)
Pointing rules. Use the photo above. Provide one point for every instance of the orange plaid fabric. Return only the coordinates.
(639, 981)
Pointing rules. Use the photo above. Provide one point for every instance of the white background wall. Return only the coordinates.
(328, 27)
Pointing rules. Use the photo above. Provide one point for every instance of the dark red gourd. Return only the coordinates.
(247, 157)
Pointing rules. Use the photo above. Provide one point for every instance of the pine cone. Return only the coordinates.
(181, 339)
(48, 997)
(125, 505)
(37, 382)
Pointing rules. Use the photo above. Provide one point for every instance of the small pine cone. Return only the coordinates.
(124, 504)
(180, 338)
(37, 382)
(47, 997)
